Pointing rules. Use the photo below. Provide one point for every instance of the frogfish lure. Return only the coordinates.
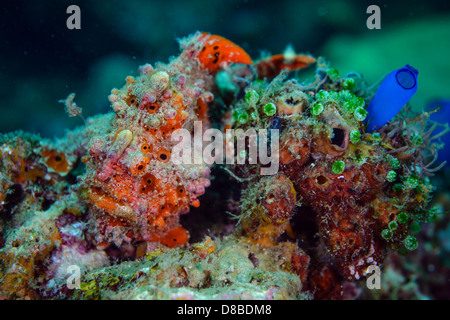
(394, 92)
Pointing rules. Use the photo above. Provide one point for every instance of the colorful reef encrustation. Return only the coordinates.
(353, 186)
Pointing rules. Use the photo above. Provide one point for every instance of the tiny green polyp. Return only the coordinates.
(386, 234)
(402, 217)
(322, 95)
(360, 114)
(391, 176)
(317, 109)
(346, 95)
(412, 182)
(333, 73)
(270, 109)
(251, 97)
(338, 167)
(243, 117)
(348, 83)
(376, 136)
(355, 136)
(395, 163)
(410, 243)
(359, 102)
(349, 106)
(393, 225)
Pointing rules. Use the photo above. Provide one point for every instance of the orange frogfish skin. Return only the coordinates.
(135, 188)
(217, 51)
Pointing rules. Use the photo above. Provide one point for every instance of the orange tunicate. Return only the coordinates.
(152, 131)
(158, 220)
(57, 161)
(131, 100)
(181, 191)
(145, 148)
(217, 50)
(140, 167)
(171, 126)
(173, 238)
(152, 107)
(163, 155)
(148, 184)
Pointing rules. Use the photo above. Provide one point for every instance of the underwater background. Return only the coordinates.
(43, 62)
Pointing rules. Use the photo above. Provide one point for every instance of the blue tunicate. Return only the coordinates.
(394, 92)
(442, 116)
